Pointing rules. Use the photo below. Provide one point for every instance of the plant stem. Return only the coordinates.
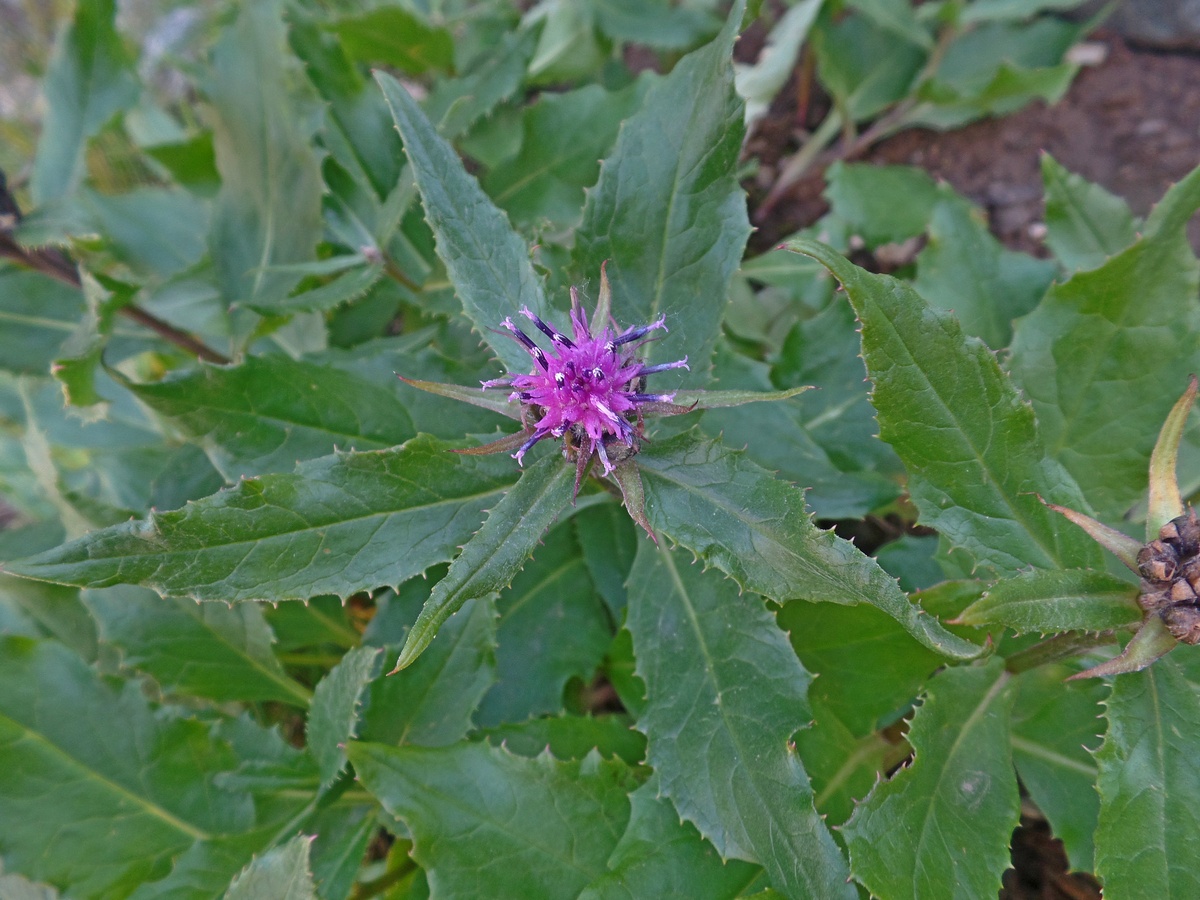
(1056, 649)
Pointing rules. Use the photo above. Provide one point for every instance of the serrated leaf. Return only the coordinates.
(1055, 728)
(1085, 224)
(331, 528)
(1149, 785)
(333, 718)
(881, 204)
(832, 641)
(667, 213)
(553, 627)
(659, 856)
(843, 766)
(563, 138)
(74, 750)
(755, 528)
(279, 874)
(395, 37)
(947, 818)
(1048, 601)
(431, 703)
(268, 210)
(485, 822)
(343, 834)
(491, 559)
(90, 79)
(570, 737)
(719, 747)
(208, 650)
(37, 316)
(967, 271)
(272, 411)
(1123, 336)
(970, 443)
(457, 103)
(485, 259)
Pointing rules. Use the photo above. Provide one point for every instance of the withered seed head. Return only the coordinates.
(1170, 570)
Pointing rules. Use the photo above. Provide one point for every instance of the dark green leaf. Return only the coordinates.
(37, 316)
(967, 271)
(1121, 337)
(659, 856)
(658, 24)
(1085, 224)
(1046, 601)
(497, 551)
(882, 204)
(608, 542)
(431, 703)
(336, 704)
(553, 627)
(1055, 728)
(832, 641)
(941, 826)
(755, 528)
(89, 81)
(47, 610)
(722, 752)
(271, 411)
(279, 874)
(205, 649)
(571, 737)
(73, 751)
(331, 528)
(842, 765)
(487, 823)
(392, 36)
(672, 224)
(971, 446)
(1149, 785)
(487, 262)
(343, 833)
(268, 211)
(564, 137)
(864, 67)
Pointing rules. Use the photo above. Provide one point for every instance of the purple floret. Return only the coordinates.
(587, 386)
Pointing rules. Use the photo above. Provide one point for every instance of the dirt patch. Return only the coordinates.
(1131, 124)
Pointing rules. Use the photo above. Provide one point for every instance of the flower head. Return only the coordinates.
(588, 388)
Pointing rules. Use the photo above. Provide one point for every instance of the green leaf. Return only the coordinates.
(279, 874)
(721, 753)
(336, 704)
(553, 627)
(832, 641)
(37, 316)
(897, 17)
(947, 817)
(659, 856)
(497, 551)
(1124, 337)
(343, 834)
(608, 542)
(1149, 785)
(157, 232)
(1055, 729)
(431, 703)
(1047, 601)
(270, 411)
(90, 80)
(655, 23)
(487, 823)
(967, 271)
(881, 204)
(759, 83)
(571, 737)
(843, 766)
(864, 67)
(331, 528)
(34, 609)
(268, 211)
(1085, 224)
(667, 213)
(754, 527)
(971, 446)
(485, 259)
(563, 138)
(74, 750)
(458, 103)
(392, 36)
(204, 649)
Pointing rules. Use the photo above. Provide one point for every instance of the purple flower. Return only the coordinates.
(588, 389)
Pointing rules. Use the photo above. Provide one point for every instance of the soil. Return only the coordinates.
(1130, 123)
